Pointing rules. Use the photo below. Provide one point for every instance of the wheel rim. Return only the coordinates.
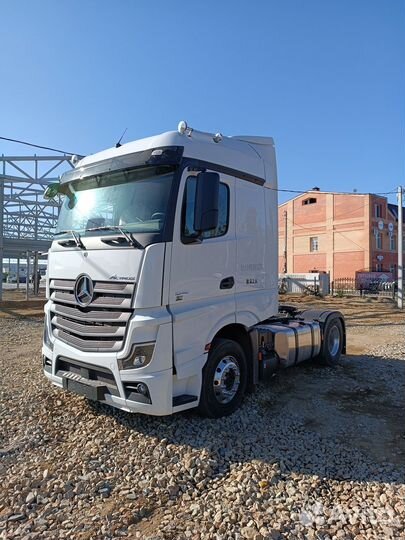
(334, 341)
(226, 379)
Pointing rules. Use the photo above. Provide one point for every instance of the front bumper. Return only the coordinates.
(159, 387)
(99, 372)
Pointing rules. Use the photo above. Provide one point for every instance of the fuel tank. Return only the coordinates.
(292, 342)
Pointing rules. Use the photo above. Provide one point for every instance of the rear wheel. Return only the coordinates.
(332, 343)
(224, 379)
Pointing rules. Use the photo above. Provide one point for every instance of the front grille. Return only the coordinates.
(101, 326)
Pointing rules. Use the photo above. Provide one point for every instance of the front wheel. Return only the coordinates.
(224, 379)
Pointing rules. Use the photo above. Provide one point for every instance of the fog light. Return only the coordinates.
(140, 356)
(141, 388)
(137, 391)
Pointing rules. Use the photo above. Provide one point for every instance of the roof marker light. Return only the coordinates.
(74, 160)
(182, 127)
(217, 137)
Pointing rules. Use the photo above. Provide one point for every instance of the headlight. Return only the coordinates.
(140, 356)
(47, 338)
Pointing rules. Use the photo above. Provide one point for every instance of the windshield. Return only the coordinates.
(136, 200)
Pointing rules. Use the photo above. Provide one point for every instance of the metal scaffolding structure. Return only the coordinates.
(26, 218)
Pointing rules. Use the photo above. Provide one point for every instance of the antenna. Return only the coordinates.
(118, 144)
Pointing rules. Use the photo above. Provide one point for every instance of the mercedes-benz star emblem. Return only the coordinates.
(84, 290)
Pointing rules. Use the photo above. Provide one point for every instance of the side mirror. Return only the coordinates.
(51, 191)
(206, 201)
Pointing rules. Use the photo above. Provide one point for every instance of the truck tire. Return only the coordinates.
(332, 342)
(224, 379)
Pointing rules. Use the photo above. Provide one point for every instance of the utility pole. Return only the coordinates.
(400, 252)
(285, 242)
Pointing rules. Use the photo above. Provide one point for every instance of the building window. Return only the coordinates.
(313, 243)
(393, 269)
(378, 240)
(378, 210)
(188, 210)
(310, 200)
(393, 244)
(378, 267)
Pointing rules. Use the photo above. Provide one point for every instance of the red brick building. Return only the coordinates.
(338, 233)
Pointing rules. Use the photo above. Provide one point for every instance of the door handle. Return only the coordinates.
(227, 283)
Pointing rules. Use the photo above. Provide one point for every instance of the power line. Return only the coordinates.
(299, 192)
(39, 146)
(334, 192)
(353, 211)
(350, 212)
(336, 232)
(345, 214)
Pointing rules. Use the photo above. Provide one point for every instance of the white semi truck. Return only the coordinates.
(162, 280)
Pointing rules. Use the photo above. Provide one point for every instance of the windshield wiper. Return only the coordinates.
(126, 234)
(76, 237)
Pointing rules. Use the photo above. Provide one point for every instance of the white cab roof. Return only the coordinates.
(253, 155)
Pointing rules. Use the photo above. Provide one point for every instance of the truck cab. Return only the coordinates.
(162, 278)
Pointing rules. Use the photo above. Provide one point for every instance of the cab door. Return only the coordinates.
(252, 302)
(202, 276)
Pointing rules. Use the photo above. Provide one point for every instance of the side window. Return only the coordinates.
(188, 210)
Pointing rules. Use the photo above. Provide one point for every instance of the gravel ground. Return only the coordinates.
(315, 453)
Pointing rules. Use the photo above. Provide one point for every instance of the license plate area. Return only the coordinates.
(95, 392)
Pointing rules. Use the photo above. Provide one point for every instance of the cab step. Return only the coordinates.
(183, 400)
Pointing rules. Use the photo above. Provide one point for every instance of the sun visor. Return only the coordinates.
(165, 155)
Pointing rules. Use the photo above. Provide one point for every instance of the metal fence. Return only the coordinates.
(351, 287)
(312, 283)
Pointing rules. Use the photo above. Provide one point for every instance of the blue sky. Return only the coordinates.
(325, 78)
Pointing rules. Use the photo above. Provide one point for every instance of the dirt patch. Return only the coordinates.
(15, 304)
